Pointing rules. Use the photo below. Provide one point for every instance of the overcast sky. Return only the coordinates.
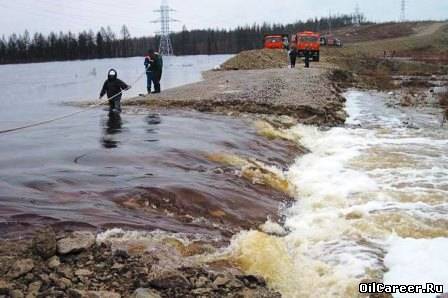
(77, 15)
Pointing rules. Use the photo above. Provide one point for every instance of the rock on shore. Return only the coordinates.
(100, 270)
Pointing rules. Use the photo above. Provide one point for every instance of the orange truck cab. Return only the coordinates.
(276, 41)
(308, 41)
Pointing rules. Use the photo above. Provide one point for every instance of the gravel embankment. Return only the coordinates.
(305, 94)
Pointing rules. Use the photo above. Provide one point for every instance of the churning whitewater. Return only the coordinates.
(371, 205)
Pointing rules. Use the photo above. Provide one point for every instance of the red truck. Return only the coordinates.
(308, 41)
(276, 41)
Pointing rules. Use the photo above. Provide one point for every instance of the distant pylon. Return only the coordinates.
(403, 11)
(357, 20)
(165, 47)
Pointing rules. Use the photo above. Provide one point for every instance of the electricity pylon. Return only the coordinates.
(403, 11)
(165, 47)
(357, 18)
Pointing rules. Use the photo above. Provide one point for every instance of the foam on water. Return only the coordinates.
(354, 190)
(353, 108)
(118, 235)
(417, 261)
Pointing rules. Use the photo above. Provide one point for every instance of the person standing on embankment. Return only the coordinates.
(154, 67)
(293, 56)
(307, 55)
(286, 43)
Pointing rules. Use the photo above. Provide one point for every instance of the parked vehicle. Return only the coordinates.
(308, 41)
(276, 41)
(330, 40)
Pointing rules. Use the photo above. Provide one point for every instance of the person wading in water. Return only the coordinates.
(154, 67)
(114, 88)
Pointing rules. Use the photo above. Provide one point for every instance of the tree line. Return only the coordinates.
(105, 43)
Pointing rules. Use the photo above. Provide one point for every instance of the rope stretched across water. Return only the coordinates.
(40, 123)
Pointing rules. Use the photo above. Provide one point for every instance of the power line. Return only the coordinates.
(73, 17)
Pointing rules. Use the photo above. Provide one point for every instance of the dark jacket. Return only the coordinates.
(154, 65)
(293, 53)
(113, 87)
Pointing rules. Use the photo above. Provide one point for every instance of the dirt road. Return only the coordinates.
(430, 29)
(305, 94)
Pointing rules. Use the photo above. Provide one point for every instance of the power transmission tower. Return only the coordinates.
(165, 47)
(403, 11)
(357, 21)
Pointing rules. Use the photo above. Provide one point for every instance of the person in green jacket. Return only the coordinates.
(154, 68)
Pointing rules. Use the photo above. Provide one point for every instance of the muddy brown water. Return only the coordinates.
(142, 169)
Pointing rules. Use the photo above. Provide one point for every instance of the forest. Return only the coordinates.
(26, 48)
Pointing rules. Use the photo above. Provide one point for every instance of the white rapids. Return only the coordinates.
(372, 204)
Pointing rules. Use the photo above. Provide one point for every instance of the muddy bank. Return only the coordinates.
(420, 91)
(257, 59)
(409, 64)
(307, 95)
(83, 265)
(415, 89)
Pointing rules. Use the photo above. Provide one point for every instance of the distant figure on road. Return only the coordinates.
(293, 56)
(114, 88)
(307, 58)
(154, 67)
(285, 43)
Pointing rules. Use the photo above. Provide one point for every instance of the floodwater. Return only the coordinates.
(371, 197)
(79, 172)
(141, 170)
(32, 92)
(372, 204)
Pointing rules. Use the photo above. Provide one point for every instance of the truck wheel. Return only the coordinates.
(316, 58)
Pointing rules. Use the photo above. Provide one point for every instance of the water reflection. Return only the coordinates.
(153, 120)
(112, 126)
